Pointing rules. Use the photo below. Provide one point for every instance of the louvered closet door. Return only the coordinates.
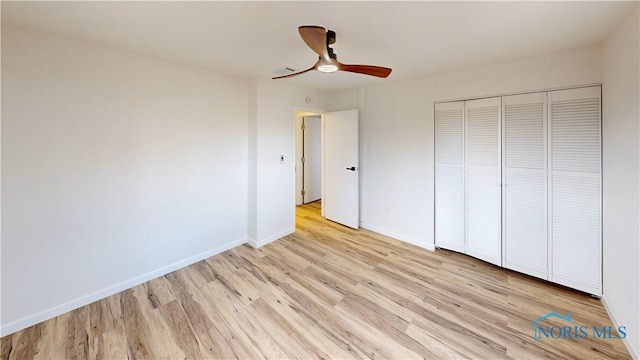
(524, 183)
(483, 180)
(449, 176)
(575, 189)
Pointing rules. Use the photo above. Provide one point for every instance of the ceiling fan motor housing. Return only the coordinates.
(332, 54)
(331, 37)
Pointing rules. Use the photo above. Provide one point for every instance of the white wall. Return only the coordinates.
(621, 157)
(276, 104)
(116, 168)
(252, 182)
(343, 100)
(397, 131)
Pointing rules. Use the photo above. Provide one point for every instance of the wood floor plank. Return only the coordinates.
(77, 339)
(182, 335)
(184, 281)
(373, 312)
(436, 349)
(6, 346)
(235, 282)
(110, 345)
(136, 328)
(50, 343)
(316, 333)
(294, 343)
(163, 344)
(326, 291)
(233, 312)
(380, 321)
(280, 274)
(217, 338)
(105, 315)
(201, 324)
(384, 302)
(24, 345)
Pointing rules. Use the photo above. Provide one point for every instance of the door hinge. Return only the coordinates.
(302, 192)
(303, 126)
(302, 159)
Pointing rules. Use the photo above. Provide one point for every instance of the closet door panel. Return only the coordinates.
(449, 176)
(483, 214)
(575, 184)
(525, 246)
(483, 179)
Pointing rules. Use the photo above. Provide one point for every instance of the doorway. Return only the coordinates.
(341, 191)
(308, 158)
(327, 164)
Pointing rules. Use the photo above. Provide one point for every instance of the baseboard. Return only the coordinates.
(634, 354)
(397, 236)
(101, 294)
(252, 242)
(259, 243)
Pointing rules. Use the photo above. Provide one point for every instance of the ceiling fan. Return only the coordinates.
(319, 39)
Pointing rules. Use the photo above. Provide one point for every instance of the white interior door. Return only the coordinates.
(483, 180)
(312, 160)
(524, 200)
(340, 198)
(449, 175)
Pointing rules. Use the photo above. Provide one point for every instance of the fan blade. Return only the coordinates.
(298, 73)
(316, 38)
(378, 71)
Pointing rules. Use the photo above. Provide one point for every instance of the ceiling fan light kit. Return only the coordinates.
(327, 68)
(319, 39)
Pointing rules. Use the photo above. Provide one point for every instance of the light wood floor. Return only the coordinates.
(324, 292)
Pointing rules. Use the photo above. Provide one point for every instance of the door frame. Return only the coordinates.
(298, 113)
(302, 130)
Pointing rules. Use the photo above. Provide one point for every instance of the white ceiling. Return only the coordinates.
(253, 38)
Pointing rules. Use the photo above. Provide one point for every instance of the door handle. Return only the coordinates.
(353, 168)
